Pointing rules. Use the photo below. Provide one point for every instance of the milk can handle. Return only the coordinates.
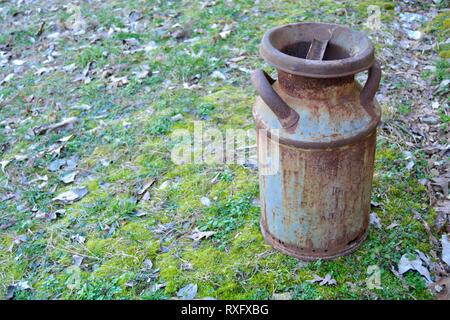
(370, 88)
(287, 116)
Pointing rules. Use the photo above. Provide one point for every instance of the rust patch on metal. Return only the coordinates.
(314, 88)
(317, 205)
(299, 252)
(332, 188)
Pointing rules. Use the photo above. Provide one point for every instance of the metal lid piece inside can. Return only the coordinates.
(348, 51)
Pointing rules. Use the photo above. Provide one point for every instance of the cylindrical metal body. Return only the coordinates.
(316, 204)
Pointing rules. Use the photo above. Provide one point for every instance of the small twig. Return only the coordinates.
(432, 238)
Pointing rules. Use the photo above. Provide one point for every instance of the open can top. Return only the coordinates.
(347, 51)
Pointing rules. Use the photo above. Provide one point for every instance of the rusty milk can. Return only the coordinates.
(316, 205)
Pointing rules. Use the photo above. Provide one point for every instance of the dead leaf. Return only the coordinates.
(72, 163)
(20, 157)
(146, 196)
(10, 292)
(146, 185)
(199, 235)
(239, 58)
(442, 181)
(105, 162)
(119, 81)
(177, 117)
(442, 287)
(140, 213)
(425, 259)
(7, 196)
(186, 266)
(39, 214)
(71, 195)
(282, 296)
(16, 241)
(218, 75)
(226, 31)
(56, 214)
(375, 221)
(56, 164)
(184, 32)
(205, 201)
(43, 70)
(40, 178)
(69, 177)
(48, 215)
(3, 164)
(8, 224)
(18, 62)
(143, 74)
(155, 287)
(443, 212)
(327, 280)
(70, 67)
(78, 238)
(445, 249)
(165, 185)
(7, 78)
(188, 292)
(77, 260)
(21, 285)
(66, 138)
(55, 149)
(148, 264)
(135, 16)
(392, 225)
(83, 107)
(406, 264)
(225, 34)
(64, 124)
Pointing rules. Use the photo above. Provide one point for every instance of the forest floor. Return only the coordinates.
(92, 207)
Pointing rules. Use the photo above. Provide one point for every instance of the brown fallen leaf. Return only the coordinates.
(442, 181)
(7, 78)
(442, 287)
(69, 177)
(184, 32)
(327, 280)
(417, 263)
(443, 214)
(226, 31)
(238, 58)
(148, 264)
(146, 185)
(445, 242)
(8, 224)
(146, 196)
(17, 240)
(188, 292)
(119, 81)
(199, 235)
(7, 196)
(143, 74)
(282, 296)
(64, 124)
(77, 260)
(71, 195)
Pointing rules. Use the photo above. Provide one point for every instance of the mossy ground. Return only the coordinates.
(440, 26)
(234, 263)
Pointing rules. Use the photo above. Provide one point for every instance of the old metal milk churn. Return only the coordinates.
(316, 203)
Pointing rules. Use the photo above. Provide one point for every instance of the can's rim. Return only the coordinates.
(355, 43)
